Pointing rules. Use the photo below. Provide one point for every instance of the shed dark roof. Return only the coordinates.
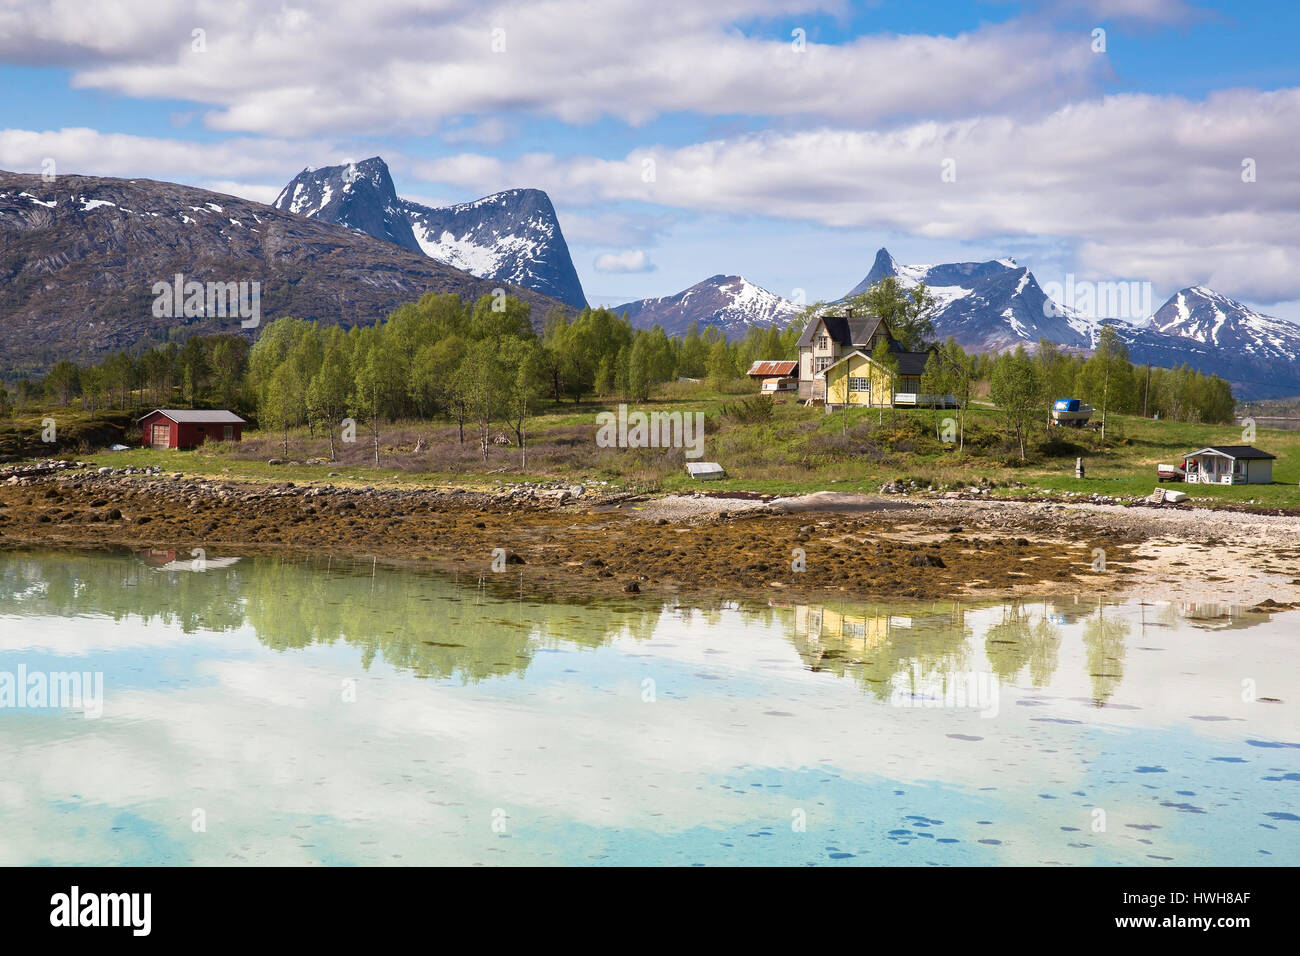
(197, 416)
(911, 363)
(1234, 451)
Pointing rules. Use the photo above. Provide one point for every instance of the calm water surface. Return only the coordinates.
(306, 712)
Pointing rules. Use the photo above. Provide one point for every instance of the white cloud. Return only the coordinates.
(631, 260)
(259, 164)
(1138, 11)
(399, 66)
(1144, 185)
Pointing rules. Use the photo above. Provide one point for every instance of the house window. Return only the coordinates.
(823, 342)
(859, 385)
(821, 364)
(228, 432)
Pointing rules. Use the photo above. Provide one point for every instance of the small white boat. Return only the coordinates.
(1072, 412)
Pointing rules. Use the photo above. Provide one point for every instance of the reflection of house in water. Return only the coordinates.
(820, 624)
(1214, 616)
(172, 559)
(169, 559)
(870, 645)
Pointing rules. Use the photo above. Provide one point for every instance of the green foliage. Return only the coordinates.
(63, 384)
(749, 411)
(1017, 388)
(908, 313)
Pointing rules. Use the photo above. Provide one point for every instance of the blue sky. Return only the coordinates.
(790, 140)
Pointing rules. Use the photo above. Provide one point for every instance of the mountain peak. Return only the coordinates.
(991, 305)
(729, 302)
(511, 236)
(360, 196)
(1202, 314)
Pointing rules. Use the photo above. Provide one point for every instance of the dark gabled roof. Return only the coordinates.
(197, 416)
(848, 330)
(909, 363)
(1233, 451)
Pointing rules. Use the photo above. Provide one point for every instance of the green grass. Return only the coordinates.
(797, 450)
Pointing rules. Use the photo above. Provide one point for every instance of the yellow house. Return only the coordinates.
(857, 380)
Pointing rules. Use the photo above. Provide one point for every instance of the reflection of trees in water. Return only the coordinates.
(1023, 638)
(870, 643)
(117, 585)
(429, 624)
(442, 627)
(1103, 641)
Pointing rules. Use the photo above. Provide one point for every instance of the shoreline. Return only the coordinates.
(733, 544)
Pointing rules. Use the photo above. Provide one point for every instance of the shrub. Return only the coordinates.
(750, 410)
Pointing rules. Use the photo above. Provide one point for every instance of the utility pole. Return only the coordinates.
(1146, 391)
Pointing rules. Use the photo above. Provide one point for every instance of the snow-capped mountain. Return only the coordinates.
(360, 196)
(1259, 354)
(731, 303)
(80, 257)
(512, 236)
(987, 306)
(1210, 317)
(997, 305)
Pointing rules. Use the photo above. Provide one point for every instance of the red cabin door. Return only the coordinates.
(161, 437)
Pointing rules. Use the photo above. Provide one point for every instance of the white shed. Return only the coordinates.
(705, 470)
(1229, 465)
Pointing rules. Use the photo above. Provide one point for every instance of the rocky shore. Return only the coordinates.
(587, 540)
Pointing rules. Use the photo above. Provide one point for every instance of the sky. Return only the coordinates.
(783, 140)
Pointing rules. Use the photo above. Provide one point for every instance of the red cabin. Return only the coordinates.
(187, 428)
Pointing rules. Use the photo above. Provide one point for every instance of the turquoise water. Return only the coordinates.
(259, 710)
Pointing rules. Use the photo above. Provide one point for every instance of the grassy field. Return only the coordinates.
(796, 450)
